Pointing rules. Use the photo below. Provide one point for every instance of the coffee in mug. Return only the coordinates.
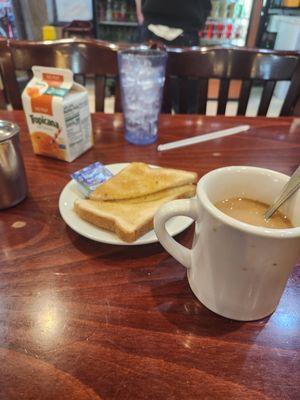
(252, 212)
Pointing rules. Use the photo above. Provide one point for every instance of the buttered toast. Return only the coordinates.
(130, 218)
(138, 179)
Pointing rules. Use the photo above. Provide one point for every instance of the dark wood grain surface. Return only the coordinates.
(84, 320)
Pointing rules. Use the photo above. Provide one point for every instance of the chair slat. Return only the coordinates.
(83, 80)
(202, 92)
(3, 100)
(100, 82)
(293, 94)
(244, 97)
(223, 96)
(76, 78)
(266, 98)
(118, 104)
(183, 96)
(80, 78)
(166, 101)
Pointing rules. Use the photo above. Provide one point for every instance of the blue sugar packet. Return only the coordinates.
(90, 177)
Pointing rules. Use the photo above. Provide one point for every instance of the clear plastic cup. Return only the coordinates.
(142, 77)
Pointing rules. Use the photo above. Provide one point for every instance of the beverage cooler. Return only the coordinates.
(116, 21)
(228, 22)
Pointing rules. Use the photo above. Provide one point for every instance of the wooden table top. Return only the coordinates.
(85, 320)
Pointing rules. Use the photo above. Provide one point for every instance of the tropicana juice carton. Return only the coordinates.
(57, 114)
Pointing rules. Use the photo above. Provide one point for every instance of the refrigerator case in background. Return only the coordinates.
(228, 23)
(116, 21)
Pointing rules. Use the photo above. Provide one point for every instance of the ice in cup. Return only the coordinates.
(142, 76)
(57, 114)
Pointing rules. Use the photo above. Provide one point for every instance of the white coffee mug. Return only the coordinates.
(235, 269)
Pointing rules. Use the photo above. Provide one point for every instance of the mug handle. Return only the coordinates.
(186, 207)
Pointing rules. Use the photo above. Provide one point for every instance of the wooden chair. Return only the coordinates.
(250, 66)
(86, 58)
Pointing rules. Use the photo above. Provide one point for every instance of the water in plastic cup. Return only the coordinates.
(142, 76)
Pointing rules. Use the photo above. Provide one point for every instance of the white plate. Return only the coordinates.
(70, 193)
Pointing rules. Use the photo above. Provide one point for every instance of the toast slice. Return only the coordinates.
(131, 218)
(138, 179)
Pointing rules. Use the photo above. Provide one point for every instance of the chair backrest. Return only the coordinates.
(92, 58)
(250, 66)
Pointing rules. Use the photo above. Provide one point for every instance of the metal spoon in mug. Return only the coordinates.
(290, 188)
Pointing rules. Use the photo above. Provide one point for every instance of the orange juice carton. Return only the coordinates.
(57, 114)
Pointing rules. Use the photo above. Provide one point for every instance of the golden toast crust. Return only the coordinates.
(138, 179)
(129, 219)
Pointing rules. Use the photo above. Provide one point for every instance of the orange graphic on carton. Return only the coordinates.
(42, 104)
(46, 145)
(33, 91)
(53, 79)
